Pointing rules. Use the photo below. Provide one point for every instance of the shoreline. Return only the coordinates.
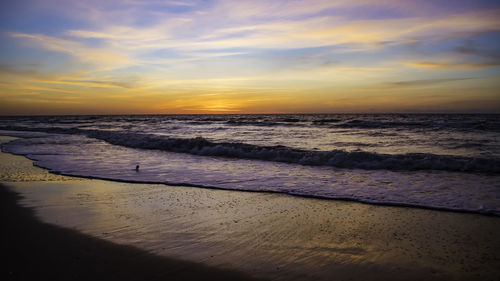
(319, 197)
(344, 199)
(264, 235)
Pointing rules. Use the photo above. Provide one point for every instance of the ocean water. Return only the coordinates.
(447, 162)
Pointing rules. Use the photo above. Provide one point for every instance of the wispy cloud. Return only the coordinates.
(424, 82)
(288, 33)
(74, 48)
(436, 65)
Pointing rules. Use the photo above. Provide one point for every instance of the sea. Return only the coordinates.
(437, 161)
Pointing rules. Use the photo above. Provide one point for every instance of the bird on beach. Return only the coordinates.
(137, 168)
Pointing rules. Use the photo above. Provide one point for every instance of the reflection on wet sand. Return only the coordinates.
(268, 235)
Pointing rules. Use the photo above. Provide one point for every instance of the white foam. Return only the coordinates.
(82, 156)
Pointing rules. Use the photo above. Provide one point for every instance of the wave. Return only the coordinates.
(334, 158)
(490, 123)
(427, 124)
(349, 123)
(93, 154)
(326, 121)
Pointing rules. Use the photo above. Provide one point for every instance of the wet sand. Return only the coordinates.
(33, 250)
(270, 236)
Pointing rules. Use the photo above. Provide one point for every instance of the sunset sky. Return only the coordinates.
(125, 57)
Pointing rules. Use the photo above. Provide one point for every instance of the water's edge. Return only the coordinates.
(318, 197)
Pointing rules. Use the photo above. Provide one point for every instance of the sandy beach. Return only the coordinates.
(278, 140)
(148, 231)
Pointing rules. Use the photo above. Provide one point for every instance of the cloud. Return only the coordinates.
(197, 39)
(92, 83)
(74, 48)
(470, 49)
(195, 32)
(424, 82)
(35, 80)
(469, 66)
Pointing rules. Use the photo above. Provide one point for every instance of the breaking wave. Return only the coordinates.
(333, 158)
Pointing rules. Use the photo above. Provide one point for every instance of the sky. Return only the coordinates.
(190, 57)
